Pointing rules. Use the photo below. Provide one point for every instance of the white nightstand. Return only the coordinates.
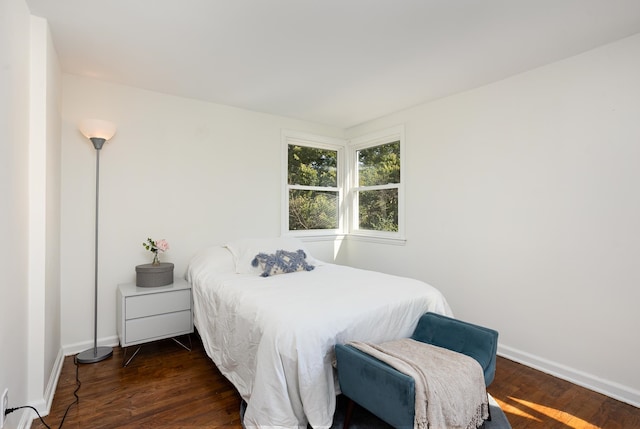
(148, 314)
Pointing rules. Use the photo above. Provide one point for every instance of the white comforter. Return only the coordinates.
(273, 337)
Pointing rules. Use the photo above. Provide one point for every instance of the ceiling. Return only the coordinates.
(334, 62)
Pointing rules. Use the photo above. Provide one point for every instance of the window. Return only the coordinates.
(313, 185)
(317, 199)
(376, 190)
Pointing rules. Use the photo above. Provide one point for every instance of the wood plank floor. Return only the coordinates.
(166, 386)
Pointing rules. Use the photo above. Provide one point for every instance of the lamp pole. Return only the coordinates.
(96, 354)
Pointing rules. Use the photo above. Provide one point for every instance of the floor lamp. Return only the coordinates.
(98, 132)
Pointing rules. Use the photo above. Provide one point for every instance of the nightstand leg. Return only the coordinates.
(132, 356)
(188, 348)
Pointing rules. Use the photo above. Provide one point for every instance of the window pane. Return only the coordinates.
(309, 166)
(312, 210)
(378, 210)
(379, 165)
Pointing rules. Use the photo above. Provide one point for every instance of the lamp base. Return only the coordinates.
(94, 354)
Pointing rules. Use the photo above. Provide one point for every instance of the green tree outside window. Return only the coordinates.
(378, 207)
(311, 168)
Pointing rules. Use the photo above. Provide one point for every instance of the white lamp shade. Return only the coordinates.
(97, 128)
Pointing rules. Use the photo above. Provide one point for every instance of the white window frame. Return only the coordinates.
(310, 140)
(389, 135)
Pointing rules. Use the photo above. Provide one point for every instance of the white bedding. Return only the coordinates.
(273, 337)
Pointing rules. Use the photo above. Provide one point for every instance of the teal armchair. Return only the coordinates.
(390, 394)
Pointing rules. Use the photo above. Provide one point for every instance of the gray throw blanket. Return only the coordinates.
(450, 383)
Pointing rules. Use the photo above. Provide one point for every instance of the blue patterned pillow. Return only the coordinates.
(281, 262)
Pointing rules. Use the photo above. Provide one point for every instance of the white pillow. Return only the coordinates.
(245, 250)
(209, 263)
(215, 259)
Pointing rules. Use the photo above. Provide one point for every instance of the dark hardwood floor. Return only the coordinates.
(532, 399)
(166, 386)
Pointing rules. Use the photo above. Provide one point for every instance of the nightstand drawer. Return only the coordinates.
(156, 327)
(157, 303)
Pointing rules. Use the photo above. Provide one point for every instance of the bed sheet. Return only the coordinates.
(273, 337)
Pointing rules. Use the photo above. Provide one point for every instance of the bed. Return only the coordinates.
(273, 337)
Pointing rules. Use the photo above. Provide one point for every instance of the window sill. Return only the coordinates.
(306, 237)
(395, 241)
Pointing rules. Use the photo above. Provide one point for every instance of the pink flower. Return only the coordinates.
(162, 245)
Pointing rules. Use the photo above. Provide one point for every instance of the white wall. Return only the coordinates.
(523, 207)
(522, 204)
(14, 143)
(194, 173)
(44, 217)
(52, 327)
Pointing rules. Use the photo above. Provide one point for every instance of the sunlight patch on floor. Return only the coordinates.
(507, 408)
(570, 421)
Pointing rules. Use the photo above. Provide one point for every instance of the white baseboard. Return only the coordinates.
(606, 387)
(44, 404)
(26, 419)
(50, 391)
(76, 348)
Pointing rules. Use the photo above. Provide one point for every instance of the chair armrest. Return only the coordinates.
(376, 386)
